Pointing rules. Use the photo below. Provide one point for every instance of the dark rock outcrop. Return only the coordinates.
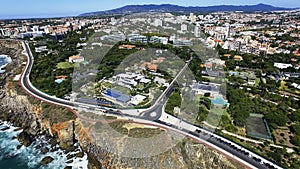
(46, 160)
(44, 150)
(5, 128)
(25, 139)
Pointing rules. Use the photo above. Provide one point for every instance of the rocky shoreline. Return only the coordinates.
(27, 113)
(26, 116)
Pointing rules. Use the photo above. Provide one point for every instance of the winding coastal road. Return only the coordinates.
(159, 119)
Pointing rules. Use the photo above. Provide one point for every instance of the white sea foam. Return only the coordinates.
(4, 61)
(33, 156)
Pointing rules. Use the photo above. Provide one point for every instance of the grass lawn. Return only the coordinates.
(64, 65)
(121, 89)
(106, 84)
(257, 81)
(214, 117)
(283, 86)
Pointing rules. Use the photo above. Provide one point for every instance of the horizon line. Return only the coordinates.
(22, 17)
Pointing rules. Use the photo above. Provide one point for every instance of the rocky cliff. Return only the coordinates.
(33, 116)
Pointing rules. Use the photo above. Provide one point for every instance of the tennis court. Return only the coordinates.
(257, 127)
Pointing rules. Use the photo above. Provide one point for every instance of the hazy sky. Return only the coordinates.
(48, 8)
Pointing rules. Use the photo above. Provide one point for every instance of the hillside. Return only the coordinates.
(175, 8)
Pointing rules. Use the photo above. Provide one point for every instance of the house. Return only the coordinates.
(145, 81)
(227, 55)
(159, 60)
(144, 65)
(282, 65)
(295, 85)
(41, 49)
(116, 96)
(126, 79)
(296, 53)
(202, 88)
(238, 58)
(76, 59)
(137, 38)
(61, 77)
(126, 46)
(137, 99)
(161, 81)
(152, 67)
(156, 39)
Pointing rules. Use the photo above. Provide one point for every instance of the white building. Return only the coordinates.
(295, 85)
(76, 59)
(145, 81)
(137, 99)
(282, 65)
(127, 79)
(192, 18)
(197, 31)
(161, 81)
(181, 42)
(202, 88)
(41, 49)
(183, 27)
(172, 37)
(137, 38)
(114, 37)
(35, 28)
(156, 39)
(157, 22)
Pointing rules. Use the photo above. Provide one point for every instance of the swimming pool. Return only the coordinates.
(219, 100)
(59, 81)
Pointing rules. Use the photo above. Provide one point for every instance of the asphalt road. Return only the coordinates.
(26, 84)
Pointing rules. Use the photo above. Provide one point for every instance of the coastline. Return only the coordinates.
(34, 132)
(17, 109)
(31, 156)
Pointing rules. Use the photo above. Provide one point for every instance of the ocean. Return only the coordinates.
(4, 60)
(12, 156)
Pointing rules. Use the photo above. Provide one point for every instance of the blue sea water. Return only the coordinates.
(29, 157)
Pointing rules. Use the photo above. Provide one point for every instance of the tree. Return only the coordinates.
(206, 102)
(296, 129)
(173, 101)
(240, 106)
(295, 140)
(202, 114)
(295, 116)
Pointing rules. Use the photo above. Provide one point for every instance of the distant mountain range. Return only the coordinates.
(175, 8)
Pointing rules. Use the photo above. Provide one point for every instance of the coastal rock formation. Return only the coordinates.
(65, 133)
(25, 138)
(47, 160)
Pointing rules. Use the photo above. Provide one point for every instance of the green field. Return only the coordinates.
(214, 117)
(64, 65)
(257, 81)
